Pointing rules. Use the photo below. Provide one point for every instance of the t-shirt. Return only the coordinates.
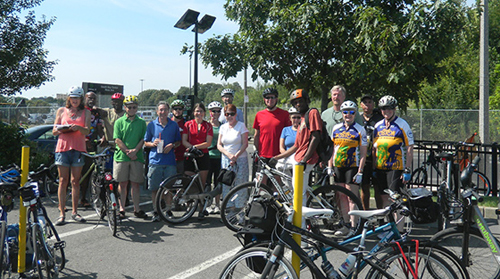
(391, 143)
(196, 136)
(239, 116)
(169, 134)
(109, 122)
(346, 144)
(130, 132)
(96, 125)
(270, 124)
(288, 134)
(212, 150)
(179, 151)
(304, 136)
(332, 118)
(369, 126)
(231, 137)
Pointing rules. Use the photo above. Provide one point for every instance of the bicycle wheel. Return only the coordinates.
(235, 203)
(55, 244)
(97, 194)
(51, 184)
(480, 183)
(171, 202)
(42, 257)
(482, 263)
(427, 265)
(341, 201)
(111, 212)
(251, 262)
(419, 177)
(5, 267)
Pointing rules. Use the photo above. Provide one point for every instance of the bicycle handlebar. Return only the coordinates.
(102, 154)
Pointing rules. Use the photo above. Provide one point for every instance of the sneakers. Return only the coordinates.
(140, 214)
(210, 210)
(156, 217)
(78, 218)
(216, 210)
(344, 231)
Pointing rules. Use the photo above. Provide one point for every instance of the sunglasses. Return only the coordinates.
(132, 107)
(270, 97)
(387, 108)
(351, 112)
(215, 111)
(231, 114)
(296, 117)
(177, 108)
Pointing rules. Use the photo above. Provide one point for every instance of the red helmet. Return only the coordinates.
(117, 96)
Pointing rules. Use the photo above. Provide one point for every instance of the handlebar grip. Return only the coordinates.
(476, 161)
(478, 198)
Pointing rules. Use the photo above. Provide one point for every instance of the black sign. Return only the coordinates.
(103, 89)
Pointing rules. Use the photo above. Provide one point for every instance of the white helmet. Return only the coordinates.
(387, 101)
(227, 91)
(214, 104)
(293, 110)
(75, 92)
(348, 105)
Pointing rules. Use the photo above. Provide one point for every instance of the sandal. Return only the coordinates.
(61, 220)
(122, 215)
(84, 204)
(78, 218)
(141, 214)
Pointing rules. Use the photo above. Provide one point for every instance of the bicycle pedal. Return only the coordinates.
(205, 212)
(60, 244)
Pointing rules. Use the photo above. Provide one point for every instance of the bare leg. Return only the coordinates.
(136, 195)
(76, 173)
(122, 190)
(63, 184)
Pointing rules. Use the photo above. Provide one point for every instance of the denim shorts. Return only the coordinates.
(71, 158)
(158, 173)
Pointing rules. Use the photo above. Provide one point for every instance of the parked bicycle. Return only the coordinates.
(49, 183)
(396, 259)
(475, 245)
(321, 195)
(8, 189)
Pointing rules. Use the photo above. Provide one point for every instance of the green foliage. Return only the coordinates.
(11, 142)
(151, 97)
(23, 61)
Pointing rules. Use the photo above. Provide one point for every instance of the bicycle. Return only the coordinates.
(321, 195)
(104, 189)
(48, 249)
(398, 259)
(476, 246)
(180, 195)
(49, 182)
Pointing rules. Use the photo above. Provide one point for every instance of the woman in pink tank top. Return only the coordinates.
(71, 125)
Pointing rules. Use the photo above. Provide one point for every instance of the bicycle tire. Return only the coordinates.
(172, 191)
(329, 196)
(419, 177)
(42, 256)
(51, 184)
(111, 213)
(480, 183)
(5, 268)
(55, 244)
(248, 264)
(97, 194)
(233, 216)
(482, 263)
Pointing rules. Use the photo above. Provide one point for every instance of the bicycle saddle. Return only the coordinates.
(445, 155)
(370, 214)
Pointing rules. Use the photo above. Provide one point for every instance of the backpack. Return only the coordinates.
(325, 146)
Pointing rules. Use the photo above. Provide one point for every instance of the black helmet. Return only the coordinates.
(269, 91)
(299, 93)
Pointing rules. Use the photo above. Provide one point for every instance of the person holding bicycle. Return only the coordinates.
(162, 136)
(215, 109)
(72, 124)
(348, 160)
(392, 149)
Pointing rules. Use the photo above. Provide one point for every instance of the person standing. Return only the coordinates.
(128, 165)
(227, 96)
(198, 134)
(72, 124)
(162, 136)
(348, 160)
(178, 116)
(370, 116)
(215, 109)
(287, 139)
(268, 125)
(333, 115)
(112, 115)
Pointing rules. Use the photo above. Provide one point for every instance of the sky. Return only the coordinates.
(124, 41)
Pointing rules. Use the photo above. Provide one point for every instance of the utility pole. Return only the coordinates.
(484, 75)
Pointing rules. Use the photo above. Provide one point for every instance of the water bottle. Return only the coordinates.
(41, 220)
(348, 264)
(330, 272)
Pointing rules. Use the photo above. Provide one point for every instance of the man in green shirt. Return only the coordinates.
(128, 163)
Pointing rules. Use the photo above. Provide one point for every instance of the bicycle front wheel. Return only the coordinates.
(173, 203)
(97, 194)
(5, 267)
(480, 183)
(419, 177)
(111, 212)
(341, 201)
(251, 262)
(482, 261)
(235, 203)
(42, 256)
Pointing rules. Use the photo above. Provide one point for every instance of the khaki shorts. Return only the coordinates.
(131, 170)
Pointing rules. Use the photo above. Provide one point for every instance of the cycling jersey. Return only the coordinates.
(347, 142)
(391, 143)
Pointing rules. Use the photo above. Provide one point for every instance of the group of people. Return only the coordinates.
(370, 148)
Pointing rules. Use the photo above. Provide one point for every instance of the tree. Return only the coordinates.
(377, 47)
(151, 97)
(23, 61)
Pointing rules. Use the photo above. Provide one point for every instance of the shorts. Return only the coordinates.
(180, 166)
(158, 173)
(71, 158)
(388, 179)
(345, 175)
(203, 163)
(128, 171)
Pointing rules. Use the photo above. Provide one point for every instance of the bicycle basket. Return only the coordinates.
(424, 210)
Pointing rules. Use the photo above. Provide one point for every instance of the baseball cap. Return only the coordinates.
(366, 96)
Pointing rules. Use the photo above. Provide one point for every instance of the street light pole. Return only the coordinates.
(142, 84)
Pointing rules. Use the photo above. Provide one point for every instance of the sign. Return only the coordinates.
(103, 92)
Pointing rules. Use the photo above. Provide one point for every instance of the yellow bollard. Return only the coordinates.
(298, 181)
(21, 263)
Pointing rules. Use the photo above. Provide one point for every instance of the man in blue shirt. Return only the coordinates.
(162, 136)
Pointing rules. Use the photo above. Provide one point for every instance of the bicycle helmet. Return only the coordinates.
(75, 92)
(348, 105)
(177, 103)
(299, 93)
(130, 100)
(269, 91)
(387, 101)
(117, 96)
(213, 105)
(227, 91)
(293, 110)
